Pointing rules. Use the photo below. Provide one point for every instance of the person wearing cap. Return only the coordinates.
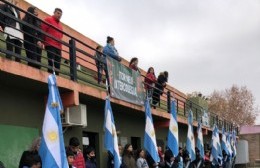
(79, 161)
(110, 49)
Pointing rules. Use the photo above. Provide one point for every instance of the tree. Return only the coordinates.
(236, 105)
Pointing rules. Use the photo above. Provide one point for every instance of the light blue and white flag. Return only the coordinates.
(149, 135)
(52, 149)
(200, 144)
(190, 138)
(230, 152)
(111, 141)
(224, 141)
(173, 134)
(234, 143)
(216, 152)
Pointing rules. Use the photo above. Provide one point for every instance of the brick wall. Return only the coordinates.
(253, 145)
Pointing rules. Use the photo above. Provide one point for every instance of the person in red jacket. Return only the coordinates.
(79, 161)
(149, 81)
(52, 45)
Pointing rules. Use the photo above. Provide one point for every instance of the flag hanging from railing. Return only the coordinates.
(216, 152)
(200, 144)
(52, 149)
(190, 138)
(111, 141)
(173, 133)
(224, 144)
(150, 144)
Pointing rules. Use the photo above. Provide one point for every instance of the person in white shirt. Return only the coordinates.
(11, 29)
(141, 161)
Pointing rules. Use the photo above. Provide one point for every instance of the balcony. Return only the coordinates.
(78, 73)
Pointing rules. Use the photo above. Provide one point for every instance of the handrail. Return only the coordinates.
(168, 94)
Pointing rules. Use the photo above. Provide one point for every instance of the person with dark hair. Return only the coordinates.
(110, 49)
(90, 157)
(133, 64)
(141, 161)
(70, 157)
(100, 63)
(179, 158)
(207, 162)
(79, 161)
(12, 29)
(159, 87)
(149, 82)
(33, 151)
(52, 46)
(169, 159)
(32, 42)
(128, 156)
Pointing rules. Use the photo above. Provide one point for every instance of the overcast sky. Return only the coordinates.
(204, 45)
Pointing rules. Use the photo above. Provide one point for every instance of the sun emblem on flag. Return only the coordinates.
(152, 133)
(174, 129)
(54, 104)
(113, 132)
(52, 136)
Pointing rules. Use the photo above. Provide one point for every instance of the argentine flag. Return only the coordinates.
(111, 141)
(216, 152)
(200, 144)
(173, 137)
(234, 143)
(224, 143)
(190, 138)
(149, 135)
(52, 149)
(230, 152)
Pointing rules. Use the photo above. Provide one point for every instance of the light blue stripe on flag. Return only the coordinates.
(52, 149)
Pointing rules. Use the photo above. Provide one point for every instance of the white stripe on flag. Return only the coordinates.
(149, 129)
(174, 127)
(51, 136)
(109, 122)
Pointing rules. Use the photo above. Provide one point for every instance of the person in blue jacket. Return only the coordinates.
(110, 50)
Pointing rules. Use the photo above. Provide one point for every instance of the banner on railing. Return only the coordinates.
(125, 83)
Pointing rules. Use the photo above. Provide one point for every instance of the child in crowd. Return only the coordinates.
(70, 157)
(90, 157)
(141, 161)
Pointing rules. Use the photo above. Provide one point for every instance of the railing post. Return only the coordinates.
(169, 101)
(73, 63)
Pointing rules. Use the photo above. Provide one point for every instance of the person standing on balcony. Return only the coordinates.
(32, 41)
(133, 64)
(100, 63)
(149, 82)
(12, 29)
(110, 49)
(52, 44)
(159, 87)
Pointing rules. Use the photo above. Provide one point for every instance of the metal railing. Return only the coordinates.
(78, 64)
